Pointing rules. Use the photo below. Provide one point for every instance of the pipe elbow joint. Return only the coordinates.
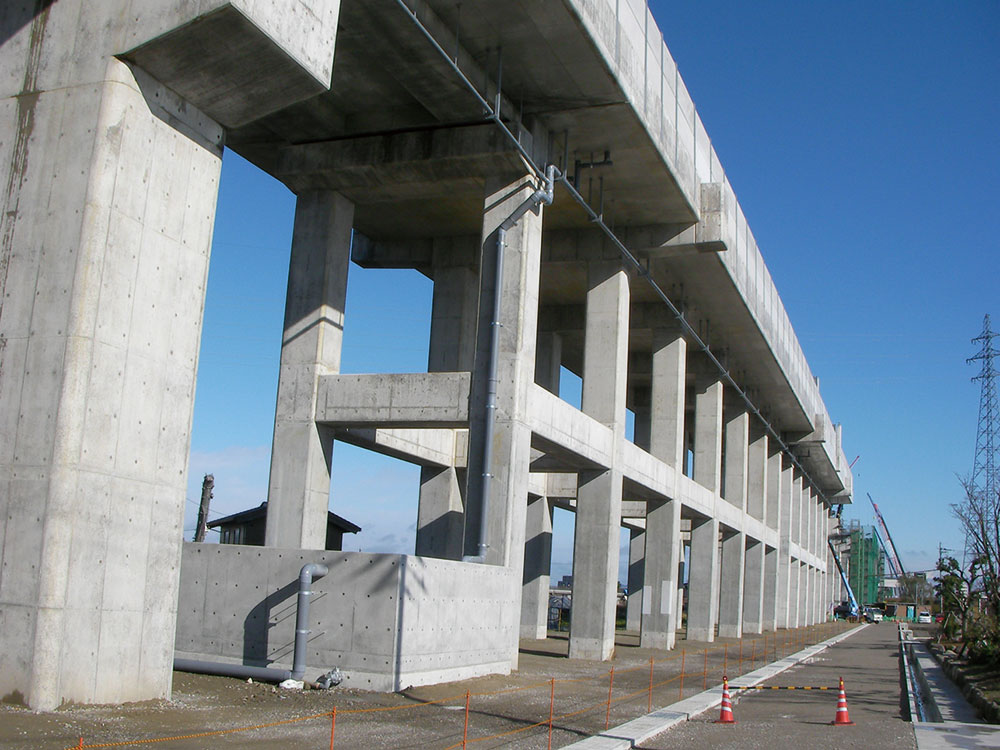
(311, 572)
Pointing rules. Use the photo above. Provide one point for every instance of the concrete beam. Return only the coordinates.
(434, 399)
(239, 60)
(424, 447)
(380, 164)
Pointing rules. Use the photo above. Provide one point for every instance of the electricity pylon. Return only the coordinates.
(984, 467)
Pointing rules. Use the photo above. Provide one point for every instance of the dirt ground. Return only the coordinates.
(216, 712)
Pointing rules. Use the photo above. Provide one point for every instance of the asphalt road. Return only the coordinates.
(869, 663)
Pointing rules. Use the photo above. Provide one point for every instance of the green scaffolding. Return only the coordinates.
(867, 566)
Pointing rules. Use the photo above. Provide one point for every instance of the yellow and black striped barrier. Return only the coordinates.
(781, 687)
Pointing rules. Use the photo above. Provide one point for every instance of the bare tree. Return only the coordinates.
(979, 514)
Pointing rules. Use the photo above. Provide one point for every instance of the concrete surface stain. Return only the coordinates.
(26, 103)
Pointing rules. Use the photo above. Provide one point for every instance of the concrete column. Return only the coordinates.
(299, 485)
(703, 578)
(548, 361)
(599, 495)
(734, 544)
(708, 437)
(795, 596)
(515, 369)
(784, 588)
(636, 564)
(808, 614)
(737, 460)
(753, 588)
(537, 564)
(667, 398)
(769, 604)
(454, 309)
(757, 478)
(441, 512)
(441, 509)
(105, 233)
(731, 590)
(663, 555)
(771, 556)
(663, 520)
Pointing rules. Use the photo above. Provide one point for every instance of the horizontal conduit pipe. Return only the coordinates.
(308, 573)
(492, 116)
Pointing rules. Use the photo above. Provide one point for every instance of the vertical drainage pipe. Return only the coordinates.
(309, 573)
(542, 195)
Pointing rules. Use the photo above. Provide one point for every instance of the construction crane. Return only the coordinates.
(855, 609)
(891, 553)
(888, 556)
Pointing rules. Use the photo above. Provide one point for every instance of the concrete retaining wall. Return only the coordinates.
(388, 621)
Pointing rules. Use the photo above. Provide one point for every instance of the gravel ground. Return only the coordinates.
(498, 704)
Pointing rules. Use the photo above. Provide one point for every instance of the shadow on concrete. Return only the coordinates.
(257, 624)
(15, 16)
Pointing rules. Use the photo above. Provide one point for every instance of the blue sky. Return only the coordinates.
(862, 142)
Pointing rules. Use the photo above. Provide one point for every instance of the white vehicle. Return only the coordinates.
(924, 617)
(876, 615)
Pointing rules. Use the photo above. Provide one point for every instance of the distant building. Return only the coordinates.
(247, 527)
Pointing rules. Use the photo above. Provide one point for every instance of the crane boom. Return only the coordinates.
(855, 609)
(893, 554)
(888, 555)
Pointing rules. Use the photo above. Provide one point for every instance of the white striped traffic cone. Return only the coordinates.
(726, 714)
(842, 718)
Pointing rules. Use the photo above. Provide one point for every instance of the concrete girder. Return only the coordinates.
(436, 399)
(240, 60)
(395, 166)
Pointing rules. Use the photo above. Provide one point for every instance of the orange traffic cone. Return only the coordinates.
(726, 714)
(842, 718)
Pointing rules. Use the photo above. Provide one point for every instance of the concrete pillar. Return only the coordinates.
(661, 614)
(548, 361)
(454, 309)
(441, 512)
(771, 556)
(703, 577)
(105, 232)
(599, 495)
(737, 457)
(784, 588)
(636, 564)
(667, 398)
(441, 509)
(708, 437)
(753, 588)
(805, 585)
(537, 564)
(299, 485)
(757, 478)
(769, 603)
(731, 590)
(734, 544)
(515, 369)
(795, 596)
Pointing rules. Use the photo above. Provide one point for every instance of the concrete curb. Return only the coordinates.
(632, 733)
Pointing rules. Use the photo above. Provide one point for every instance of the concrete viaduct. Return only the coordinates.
(544, 165)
